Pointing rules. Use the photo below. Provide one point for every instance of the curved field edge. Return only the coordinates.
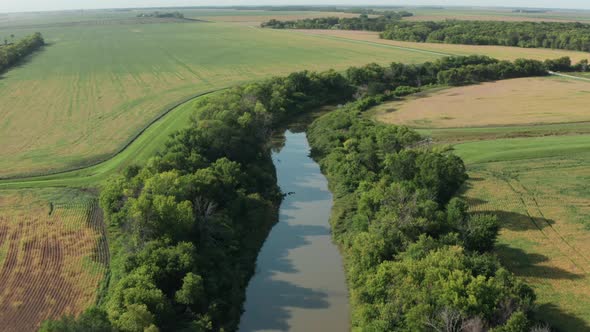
(127, 144)
(141, 147)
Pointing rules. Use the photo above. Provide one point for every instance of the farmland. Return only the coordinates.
(497, 14)
(526, 146)
(64, 114)
(523, 101)
(53, 257)
(498, 52)
(109, 89)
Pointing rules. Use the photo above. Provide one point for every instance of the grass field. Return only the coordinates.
(58, 114)
(523, 101)
(53, 257)
(498, 52)
(532, 176)
(496, 14)
(537, 187)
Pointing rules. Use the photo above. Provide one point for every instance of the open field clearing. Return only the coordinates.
(498, 52)
(255, 17)
(543, 204)
(496, 14)
(53, 258)
(524, 101)
(58, 114)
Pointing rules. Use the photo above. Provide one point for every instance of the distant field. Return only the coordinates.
(538, 188)
(496, 14)
(57, 114)
(52, 258)
(498, 52)
(510, 102)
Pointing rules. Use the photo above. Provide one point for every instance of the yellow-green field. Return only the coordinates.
(533, 176)
(95, 86)
(538, 190)
(523, 101)
(497, 14)
(53, 257)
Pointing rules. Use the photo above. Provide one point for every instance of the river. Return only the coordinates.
(299, 283)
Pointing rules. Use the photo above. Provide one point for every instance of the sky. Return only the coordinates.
(42, 5)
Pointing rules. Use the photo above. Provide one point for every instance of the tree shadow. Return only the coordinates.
(555, 316)
(24, 61)
(519, 222)
(525, 264)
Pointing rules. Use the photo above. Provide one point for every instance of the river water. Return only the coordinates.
(299, 283)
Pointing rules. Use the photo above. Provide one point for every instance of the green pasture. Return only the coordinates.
(80, 99)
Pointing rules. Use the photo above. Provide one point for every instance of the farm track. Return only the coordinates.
(569, 76)
(53, 265)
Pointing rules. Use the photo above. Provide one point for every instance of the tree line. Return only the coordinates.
(557, 35)
(185, 228)
(363, 22)
(163, 15)
(12, 54)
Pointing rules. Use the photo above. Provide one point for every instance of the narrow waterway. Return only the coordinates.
(299, 283)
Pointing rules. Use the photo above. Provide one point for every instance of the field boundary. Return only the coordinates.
(167, 110)
(568, 76)
(366, 42)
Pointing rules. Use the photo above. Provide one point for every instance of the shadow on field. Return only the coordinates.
(551, 313)
(24, 61)
(525, 264)
(520, 222)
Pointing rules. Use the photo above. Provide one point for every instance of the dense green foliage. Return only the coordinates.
(570, 36)
(363, 22)
(185, 229)
(12, 54)
(415, 259)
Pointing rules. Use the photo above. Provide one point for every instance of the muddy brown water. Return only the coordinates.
(299, 283)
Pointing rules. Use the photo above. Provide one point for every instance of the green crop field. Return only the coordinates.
(96, 85)
(108, 90)
(531, 174)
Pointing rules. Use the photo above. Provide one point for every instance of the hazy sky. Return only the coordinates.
(34, 5)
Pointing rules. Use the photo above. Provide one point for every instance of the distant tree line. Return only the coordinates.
(570, 36)
(11, 54)
(185, 229)
(163, 15)
(363, 22)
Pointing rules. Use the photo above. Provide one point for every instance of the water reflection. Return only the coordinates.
(299, 283)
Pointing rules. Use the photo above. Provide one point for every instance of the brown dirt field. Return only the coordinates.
(509, 102)
(52, 264)
(498, 52)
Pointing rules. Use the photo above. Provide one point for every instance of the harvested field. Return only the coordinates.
(509, 102)
(52, 260)
(498, 52)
